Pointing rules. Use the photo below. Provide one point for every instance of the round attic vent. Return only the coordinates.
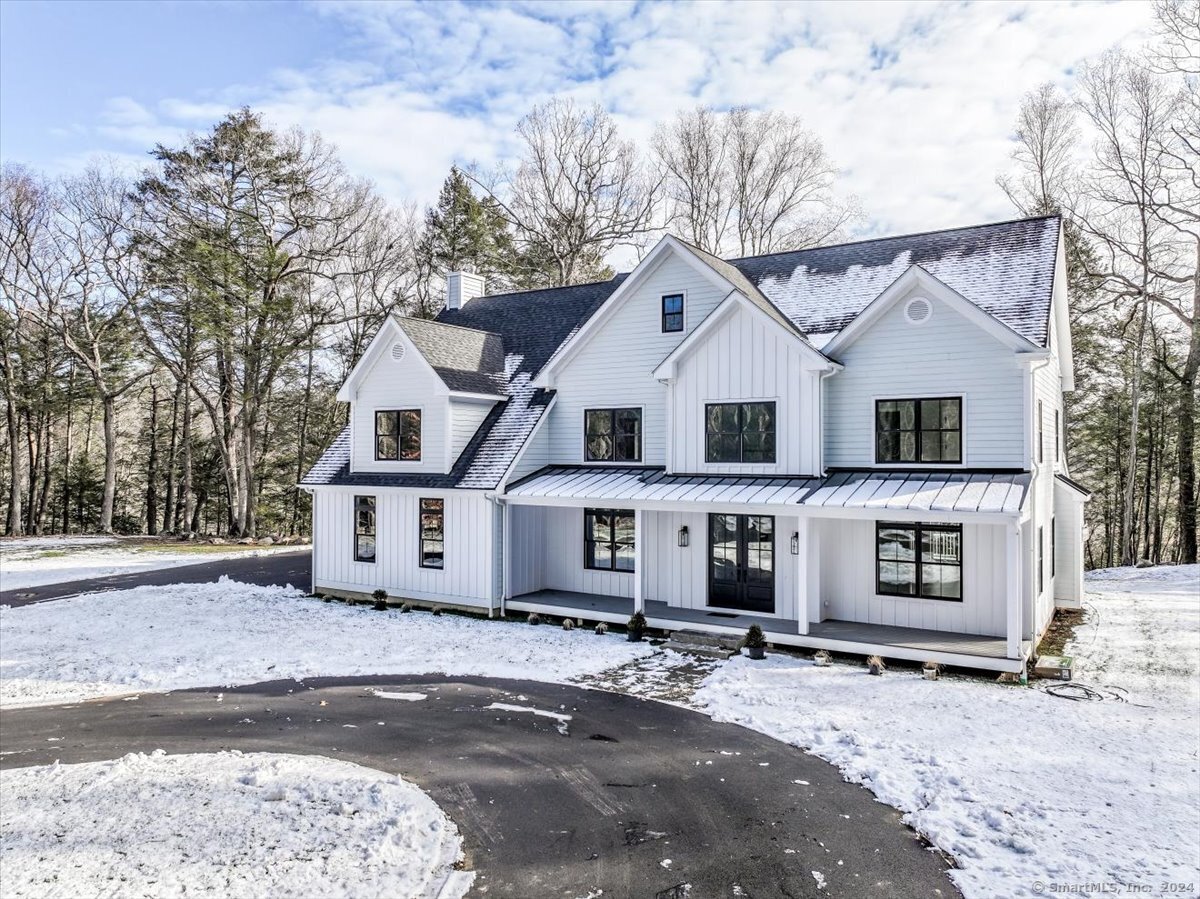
(918, 310)
(397, 352)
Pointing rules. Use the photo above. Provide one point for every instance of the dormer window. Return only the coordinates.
(672, 313)
(398, 435)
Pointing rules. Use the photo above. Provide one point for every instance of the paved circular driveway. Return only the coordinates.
(628, 797)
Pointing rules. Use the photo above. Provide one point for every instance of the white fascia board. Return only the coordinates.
(393, 332)
(668, 245)
(464, 396)
(665, 371)
(916, 277)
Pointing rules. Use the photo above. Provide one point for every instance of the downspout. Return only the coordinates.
(501, 544)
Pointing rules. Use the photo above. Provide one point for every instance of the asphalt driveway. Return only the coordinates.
(628, 797)
(282, 568)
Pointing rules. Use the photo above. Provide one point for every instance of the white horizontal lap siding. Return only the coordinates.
(466, 577)
(465, 418)
(848, 587)
(614, 368)
(946, 355)
(406, 384)
(744, 358)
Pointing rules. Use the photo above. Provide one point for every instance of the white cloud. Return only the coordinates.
(914, 100)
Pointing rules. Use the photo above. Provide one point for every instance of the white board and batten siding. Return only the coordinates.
(404, 384)
(614, 367)
(469, 531)
(746, 358)
(946, 355)
(847, 579)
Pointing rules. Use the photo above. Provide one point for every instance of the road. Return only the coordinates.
(279, 568)
(636, 799)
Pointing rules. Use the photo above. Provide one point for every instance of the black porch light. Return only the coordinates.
(683, 535)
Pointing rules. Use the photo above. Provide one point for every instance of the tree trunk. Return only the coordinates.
(1187, 433)
(13, 526)
(184, 510)
(66, 504)
(152, 467)
(110, 463)
(44, 492)
(169, 516)
(1128, 533)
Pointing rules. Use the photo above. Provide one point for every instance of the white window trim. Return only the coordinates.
(640, 463)
(735, 468)
(918, 466)
(400, 463)
(670, 293)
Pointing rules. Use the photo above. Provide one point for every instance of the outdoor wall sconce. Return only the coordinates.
(795, 543)
(683, 536)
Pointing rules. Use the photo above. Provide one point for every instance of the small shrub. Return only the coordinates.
(534, 618)
(755, 638)
(437, 610)
(568, 624)
(407, 607)
(875, 665)
(380, 597)
(637, 622)
(823, 657)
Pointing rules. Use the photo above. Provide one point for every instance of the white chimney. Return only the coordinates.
(462, 287)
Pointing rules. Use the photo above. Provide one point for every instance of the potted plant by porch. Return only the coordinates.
(755, 642)
(822, 658)
(380, 600)
(636, 627)
(931, 669)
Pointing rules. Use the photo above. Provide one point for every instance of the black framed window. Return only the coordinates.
(739, 432)
(1053, 547)
(1041, 557)
(920, 560)
(364, 529)
(919, 430)
(433, 533)
(612, 435)
(398, 435)
(608, 539)
(672, 312)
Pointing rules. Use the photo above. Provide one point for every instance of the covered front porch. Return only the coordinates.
(800, 557)
(914, 644)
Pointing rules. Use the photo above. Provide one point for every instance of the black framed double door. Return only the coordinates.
(741, 565)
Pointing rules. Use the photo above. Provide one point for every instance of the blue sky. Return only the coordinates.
(915, 101)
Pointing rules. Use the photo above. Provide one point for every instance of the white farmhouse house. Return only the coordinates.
(859, 447)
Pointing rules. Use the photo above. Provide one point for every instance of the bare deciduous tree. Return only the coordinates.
(748, 182)
(578, 191)
(1046, 136)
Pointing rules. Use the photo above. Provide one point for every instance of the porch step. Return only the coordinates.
(699, 643)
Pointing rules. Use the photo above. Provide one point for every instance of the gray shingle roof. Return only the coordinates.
(467, 360)
(530, 325)
(1007, 269)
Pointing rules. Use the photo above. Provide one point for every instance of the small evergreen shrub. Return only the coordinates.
(534, 618)
(755, 638)
(437, 610)
(380, 597)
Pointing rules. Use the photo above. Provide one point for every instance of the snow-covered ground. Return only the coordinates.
(37, 561)
(196, 635)
(223, 824)
(1031, 794)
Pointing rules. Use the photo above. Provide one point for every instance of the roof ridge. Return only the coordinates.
(442, 324)
(516, 293)
(855, 243)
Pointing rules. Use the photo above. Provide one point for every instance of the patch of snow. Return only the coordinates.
(199, 635)
(38, 561)
(820, 879)
(561, 719)
(407, 697)
(666, 863)
(224, 824)
(1020, 786)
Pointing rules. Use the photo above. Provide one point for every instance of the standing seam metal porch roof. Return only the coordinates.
(885, 491)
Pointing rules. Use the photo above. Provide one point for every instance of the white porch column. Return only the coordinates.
(505, 558)
(802, 586)
(1012, 584)
(639, 556)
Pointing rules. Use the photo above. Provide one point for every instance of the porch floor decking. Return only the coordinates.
(619, 608)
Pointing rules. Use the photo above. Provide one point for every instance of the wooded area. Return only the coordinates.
(170, 344)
